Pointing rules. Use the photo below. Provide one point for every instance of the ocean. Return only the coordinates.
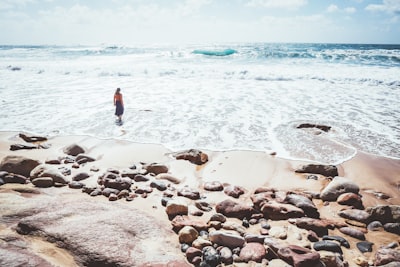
(250, 96)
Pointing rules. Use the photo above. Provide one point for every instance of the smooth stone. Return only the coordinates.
(230, 208)
(190, 193)
(364, 246)
(325, 170)
(356, 215)
(352, 232)
(75, 185)
(392, 228)
(303, 203)
(343, 242)
(159, 185)
(187, 234)
(375, 226)
(338, 186)
(227, 239)
(18, 165)
(43, 182)
(168, 177)
(176, 207)
(73, 150)
(252, 252)
(328, 246)
(213, 186)
(218, 217)
(350, 199)
(226, 255)
(80, 176)
(234, 191)
(298, 256)
(211, 256)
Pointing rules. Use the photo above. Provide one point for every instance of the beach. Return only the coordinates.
(120, 203)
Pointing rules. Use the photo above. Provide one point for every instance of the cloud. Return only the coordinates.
(389, 6)
(285, 4)
(334, 8)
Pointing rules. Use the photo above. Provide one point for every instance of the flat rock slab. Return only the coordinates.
(101, 234)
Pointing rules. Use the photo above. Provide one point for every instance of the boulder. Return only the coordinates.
(280, 211)
(73, 150)
(385, 213)
(338, 186)
(233, 209)
(18, 165)
(227, 239)
(193, 155)
(298, 256)
(386, 256)
(325, 170)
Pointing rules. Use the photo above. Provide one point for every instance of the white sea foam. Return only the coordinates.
(248, 100)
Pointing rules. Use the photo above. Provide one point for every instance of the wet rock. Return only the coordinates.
(325, 170)
(375, 226)
(233, 209)
(320, 227)
(385, 256)
(328, 246)
(252, 252)
(190, 193)
(176, 207)
(356, 215)
(392, 228)
(342, 241)
(353, 232)
(298, 256)
(80, 176)
(193, 155)
(227, 239)
(211, 256)
(338, 186)
(385, 213)
(168, 177)
(187, 234)
(43, 182)
(213, 186)
(156, 168)
(303, 203)
(18, 165)
(364, 246)
(280, 211)
(73, 150)
(234, 191)
(350, 199)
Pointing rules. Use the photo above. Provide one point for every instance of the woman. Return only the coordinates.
(119, 104)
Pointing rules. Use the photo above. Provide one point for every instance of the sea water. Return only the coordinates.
(253, 97)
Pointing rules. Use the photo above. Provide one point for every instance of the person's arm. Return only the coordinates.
(114, 99)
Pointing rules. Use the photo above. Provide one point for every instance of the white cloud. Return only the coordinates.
(350, 10)
(285, 4)
(332, 8)
(389, 6)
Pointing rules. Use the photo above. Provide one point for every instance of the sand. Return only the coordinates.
(376, 176)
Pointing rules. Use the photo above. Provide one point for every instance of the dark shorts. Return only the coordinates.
(119, 109)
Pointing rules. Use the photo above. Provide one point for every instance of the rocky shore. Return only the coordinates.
(82, 201)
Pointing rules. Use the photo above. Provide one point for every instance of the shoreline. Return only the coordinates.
(243, 171)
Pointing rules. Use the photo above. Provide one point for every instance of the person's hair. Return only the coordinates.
(118, 90)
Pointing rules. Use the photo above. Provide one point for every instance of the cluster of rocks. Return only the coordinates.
(276, 227)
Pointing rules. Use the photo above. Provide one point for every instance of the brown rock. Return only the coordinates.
(320, 227)
(325, 170)
(350, 199)
(353, 232)
(213, 186)
(234, 191)
(298, 256)
(187, 234)
(18, 165)
(231, 208)
(73, 150)
(280, 211)
(32, 138)
(190, 193)
(43, 182)
(385, 256)
(176, 207)
(181, 221)
(193, 155)
(356, 215)
(156, 168)
(252, 252)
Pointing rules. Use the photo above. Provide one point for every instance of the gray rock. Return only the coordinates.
(18, 165)
(80, 176)
(43, 182)
(353, 232)
(338, 186)
(227, 239)
(392, 228)
(364, 246)
(375, 226)
(356, 215)
(303, 203)
(326, 170)
(328, 246)
(73, 150)
(211, 256)
(46, 171)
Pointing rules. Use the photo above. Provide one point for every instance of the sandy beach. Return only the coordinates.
(118, 203)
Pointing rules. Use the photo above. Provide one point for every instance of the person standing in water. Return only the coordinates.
(119, 104)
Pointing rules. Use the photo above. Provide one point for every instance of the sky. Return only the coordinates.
(91, 22)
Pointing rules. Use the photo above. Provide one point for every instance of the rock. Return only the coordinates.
(361, 261)
(320, 227)
(160, 185)
(218, 217)
(298, 256)
(385, 213)
(141, 178)
(203, 205)
(328, 246)
(364, 246)
(353, 232)
(303, 203)
(233, 209)
(338, 186)
(280, 211)
(181, 221)
(251, 238)
(108, 191)
(325, 170)
(213, 186)
(201, 243)
(75, 185)
(80, 176)
(321, 127)
(192, 253)
(168, 177)
(190, 193)
(356, 215)
(11, 178)
(118, 183)
(211, 256)
(15, 147)
(32, 138)
(330, 259)
(176, 207)
(392, 228)
(343, 242)
(350, 199)
(252, 252)
(45, 171)
(375, 226)
(226, 255)
(187, 234)
(113, 197)
(43, 182)
(234, 191)
(385, 256)
(18, 165)
(81, 159)
(193, 155)
(92, 233)
(278, 232)
(312, 236)
(156, 168)
(73, 150)
(227, 239)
